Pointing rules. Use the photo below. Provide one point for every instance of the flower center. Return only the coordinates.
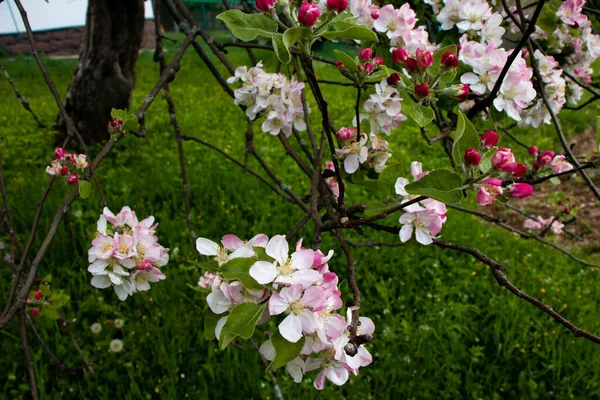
(296, 307)
(286, 268)
(106, 247)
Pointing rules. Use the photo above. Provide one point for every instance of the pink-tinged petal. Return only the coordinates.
(306, 277)
(217, 302)
(219, 326)
(242, 252)
(432, 222)
(320, 381)
(407, 218)
(308, 320)
(312, 364)
(101, 224)
(303, 259)
(206, 247)
(259, 240)
(101, 281)
(278, 304)
(313, 297)
(232, 242)
(235, 292)
(338, 375)
(267, 350)
(423, 237)
(278, 248)
(110, 217)
(406, 232)
(367, 327)
(364, 356)
(263, 272)
(351, 163)
(291, 328)
(336, 325)
(399, 186)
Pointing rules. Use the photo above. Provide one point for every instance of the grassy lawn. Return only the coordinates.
(444, 329)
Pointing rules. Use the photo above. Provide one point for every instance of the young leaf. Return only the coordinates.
(346, 30)
(466, 136)
(284, 351)
(486, 162)
(348, 61)
(294, 35)
(210, 265)
(281, 49)
(85, 189)
(421, 114)
(238, 269)
(547, 19)
(440, 184)
(49, 312)
(247, 27)
(241, 322)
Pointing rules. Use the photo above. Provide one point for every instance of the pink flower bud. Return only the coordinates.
(365, 54)
(546, 157)
(339, 65)
(360, 68)
(422, 90)
(472, 157)
(369, 67)
(449, 60)
(489, 190)
(462, 92)
(337, 5)
(35, 312)
(516, 169)
(59, 153)
(521, 190)
(64, 170)
(375, 14)
(38, 295)
(265, 5)
(308, 14)
(346, 133)
(537, 165)
(72, 179)
(393, 79)
(502, 156)
(399, 56)
(377, 61)
(533, 150)
(424, 59)
(489, 138)
(411, 65)
(145, 265)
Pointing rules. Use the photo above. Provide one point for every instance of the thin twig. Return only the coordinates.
(22, 99)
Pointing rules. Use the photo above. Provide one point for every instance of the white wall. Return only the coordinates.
(43, 15)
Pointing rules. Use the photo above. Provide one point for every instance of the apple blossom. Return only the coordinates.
(559, 164)
(489, 190)
(308, 14)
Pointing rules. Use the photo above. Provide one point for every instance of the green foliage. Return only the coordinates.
(284, 351)
(439, 184)
(238, 269)
(241, 322)
(85, 189)
(281, 50)
(422, 115)
(248, 27)
(465, 137)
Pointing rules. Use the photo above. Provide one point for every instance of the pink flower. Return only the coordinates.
(333, 370)
(520, 190)
(516, 169)
(424, 59)
(301, 303)
(533, 150)
(72, 179)
(503, 156)
(449, 60)
(546, 157)
(489, 138)
(59, 153)
(346, 133)
(427, 224)
(488, 191)
(308, 14)
(560, 165)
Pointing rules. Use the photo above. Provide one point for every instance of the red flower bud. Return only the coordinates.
(64, 170)
(308, 14)
(377, 61)
(560, 203)
(546, 157)
(337, 5)
(339, 65)
(265, 5)
(537, 165)
(369, 67)
(422, 90)
(38, 295)
(375, 14)
(346, 133)
(521, 190)
(502, 156)
(424, 59)
(37, 289)
(489, 138)
(411, 65)
(472, 157)
(365, 54)
(59, 153)
(35, 312)
(393, 79)
(399, 56)
(72, 179)
(449, 60)
(516, 169)
(566, 210)
(533, 150)
(463, 92)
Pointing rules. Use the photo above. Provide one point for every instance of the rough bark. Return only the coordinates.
(105, 74)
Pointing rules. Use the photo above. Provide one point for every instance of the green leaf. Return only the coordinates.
(378, 76)
(348, 61)
(294, 35)
(440, 184)
(555, 180)
(85, 189)
(47, 278)
(45, 289)
(49, 312)
(466, 136)
(284, 351)
(241, 322)
(437, 58)
(116, 113)
(486, 162)
(210, 322)
(421, 114)
(59, 299)
(210, 265)
(281, 50)
(346, 30)
(547, 19)
(238, 269)
(248, 27)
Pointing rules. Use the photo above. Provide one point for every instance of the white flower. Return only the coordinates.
(116, 345)
(119, 322)
(96, 328)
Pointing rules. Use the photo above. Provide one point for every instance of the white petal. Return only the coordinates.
(291, 328)
(97, 266)
(278, 248)
(217, 302)
(399, 186)
(423, 236)
(219, 326)
(278, 304)
(263, 272)
(303, 259)
(101, 281)
(267, 350)
(406, 233)
(206, 247)
(122, 290)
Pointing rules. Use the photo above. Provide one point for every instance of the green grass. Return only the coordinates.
(444, 327)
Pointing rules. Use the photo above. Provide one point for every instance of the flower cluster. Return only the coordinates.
(370, 151)
(115, 125)
(399, 25)
(271, 95)
(67, 164)
(555, 88)
(36, 301)
(125, 253)
(549, 159)
(366, 67)
(425, 217)
(474, 17)
(383, 109)
(301, 287)
(541, 224)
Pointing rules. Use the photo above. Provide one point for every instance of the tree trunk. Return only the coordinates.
(105, 74)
